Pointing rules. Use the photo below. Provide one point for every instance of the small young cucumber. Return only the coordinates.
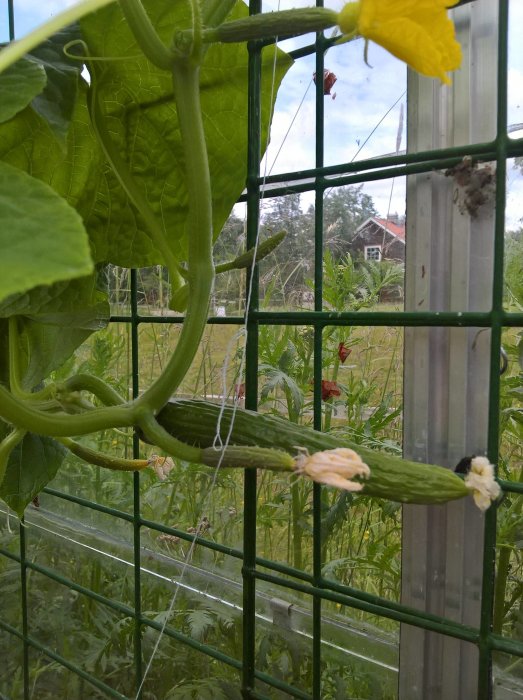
(271, 24)
(391, 477)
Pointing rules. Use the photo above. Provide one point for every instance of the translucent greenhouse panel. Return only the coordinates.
(179, 672)
(449, 268)
(364, 113)
(80, 546)
(514, 240)
(364, 246)
(287, 275)
(291, 146)
(88, 635)
(515, 74)
(283, 639)
(507, 674)
(12, 674)
(10, 600)
(50, 680)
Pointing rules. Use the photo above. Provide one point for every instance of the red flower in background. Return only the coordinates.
(328, 82)
(329, 389)
(343, 352)
(239, 391)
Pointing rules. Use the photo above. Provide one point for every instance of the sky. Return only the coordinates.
(365, 113)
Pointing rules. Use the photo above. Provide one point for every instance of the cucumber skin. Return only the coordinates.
(268, 24)
(393, 478)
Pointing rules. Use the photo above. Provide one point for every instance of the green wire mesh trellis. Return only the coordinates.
(254, 568)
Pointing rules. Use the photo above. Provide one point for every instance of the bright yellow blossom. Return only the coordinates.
(418, 32)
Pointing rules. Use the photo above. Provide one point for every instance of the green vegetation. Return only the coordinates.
(126, 170)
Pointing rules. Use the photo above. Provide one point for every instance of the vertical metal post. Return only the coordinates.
(448, 267)
(136, 490)
(11, 19)
(24, 601)
(251, 364)
(318, 363)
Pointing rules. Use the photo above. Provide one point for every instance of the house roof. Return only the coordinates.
(397, 230)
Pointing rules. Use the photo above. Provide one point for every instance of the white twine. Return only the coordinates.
(217, 437)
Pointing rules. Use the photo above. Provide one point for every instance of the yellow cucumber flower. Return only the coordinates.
(418, 32)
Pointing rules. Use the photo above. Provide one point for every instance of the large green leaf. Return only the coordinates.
(56, 102)
(53, 321)
(19, 84)
(32, 252)
(83, 178)
(141, 115)
(45, 302)
(48, 340)
(32, 465)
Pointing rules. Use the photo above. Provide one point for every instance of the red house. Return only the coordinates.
(380, 239)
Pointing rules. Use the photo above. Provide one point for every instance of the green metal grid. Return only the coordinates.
(255, 568)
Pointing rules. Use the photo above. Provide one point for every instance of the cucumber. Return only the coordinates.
(194, 422)
(270, 24)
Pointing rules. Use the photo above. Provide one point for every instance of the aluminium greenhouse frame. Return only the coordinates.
(255, 568)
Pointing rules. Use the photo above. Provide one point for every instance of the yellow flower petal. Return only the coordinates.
(418, 32)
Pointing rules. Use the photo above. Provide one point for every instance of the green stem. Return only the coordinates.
(145, 34)
(200, 273)
(94, 385)
(102, 460)
(15, 411)
(154, 433)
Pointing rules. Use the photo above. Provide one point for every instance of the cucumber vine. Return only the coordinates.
(175, 56)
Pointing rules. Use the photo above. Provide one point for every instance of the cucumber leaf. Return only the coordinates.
(138, 104)
(44, 303)
(19, 84)
(53, 322)
(32, 465)
(48, 340)
(33, 253)
(56, 102)
(83, 178)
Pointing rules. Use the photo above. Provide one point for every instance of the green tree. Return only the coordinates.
(345, 209)
(229, 287)
(293, 261)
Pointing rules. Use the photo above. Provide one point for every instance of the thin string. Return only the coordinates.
(399, 136)
(190, 552)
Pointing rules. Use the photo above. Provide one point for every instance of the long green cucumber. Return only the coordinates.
(269, 24)
(397, 479)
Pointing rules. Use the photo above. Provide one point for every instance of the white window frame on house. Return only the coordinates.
(371, 248)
